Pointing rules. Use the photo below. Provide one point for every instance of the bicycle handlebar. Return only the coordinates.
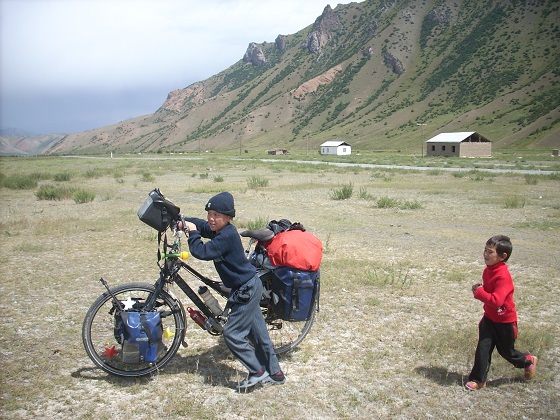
(183, 255)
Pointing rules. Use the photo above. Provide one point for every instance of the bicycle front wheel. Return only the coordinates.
(98, 332)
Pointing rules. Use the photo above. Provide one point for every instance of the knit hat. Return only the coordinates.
(222, 203)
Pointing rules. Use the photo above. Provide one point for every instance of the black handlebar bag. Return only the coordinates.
(157, 211)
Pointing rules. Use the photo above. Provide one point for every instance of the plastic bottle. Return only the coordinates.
(197, 317)
(210, 300)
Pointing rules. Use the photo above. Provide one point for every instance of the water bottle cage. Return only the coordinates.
(215, 326)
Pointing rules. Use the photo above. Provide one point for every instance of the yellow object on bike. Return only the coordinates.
(183, 255)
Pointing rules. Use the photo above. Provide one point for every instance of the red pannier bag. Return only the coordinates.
(296, 249)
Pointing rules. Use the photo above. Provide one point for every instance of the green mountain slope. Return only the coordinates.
(369, 73)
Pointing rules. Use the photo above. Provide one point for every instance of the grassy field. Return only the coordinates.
(397, 330)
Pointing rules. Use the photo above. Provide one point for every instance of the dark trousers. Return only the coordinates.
(502, 337)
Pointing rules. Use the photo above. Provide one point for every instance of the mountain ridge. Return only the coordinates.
(368, 73)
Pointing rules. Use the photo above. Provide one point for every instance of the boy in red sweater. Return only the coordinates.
(498, 326)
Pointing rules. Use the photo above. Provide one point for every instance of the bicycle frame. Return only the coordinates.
(169, 273)
(99, 330)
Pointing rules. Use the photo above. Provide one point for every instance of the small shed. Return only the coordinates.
(462, 144)
(336, 147)
(277, 152)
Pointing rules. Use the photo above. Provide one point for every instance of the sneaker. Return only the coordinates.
(474, 385)
(252, 380)
(532, 368)
(276, 379)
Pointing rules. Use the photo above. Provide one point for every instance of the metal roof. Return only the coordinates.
(452, 137)
(334, 143)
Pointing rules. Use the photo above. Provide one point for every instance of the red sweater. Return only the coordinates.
(497, 294)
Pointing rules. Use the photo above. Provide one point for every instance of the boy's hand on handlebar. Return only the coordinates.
(186, 226)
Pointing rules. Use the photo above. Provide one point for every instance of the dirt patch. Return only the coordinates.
(313, 84)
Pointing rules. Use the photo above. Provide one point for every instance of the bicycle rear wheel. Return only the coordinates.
(286, 335)
(98, 333)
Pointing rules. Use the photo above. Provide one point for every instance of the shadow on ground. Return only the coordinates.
(213, 364)
(444, 377)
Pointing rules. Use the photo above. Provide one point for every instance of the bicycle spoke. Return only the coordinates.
(286, 335)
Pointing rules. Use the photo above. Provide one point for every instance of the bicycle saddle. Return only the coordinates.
(261, 235)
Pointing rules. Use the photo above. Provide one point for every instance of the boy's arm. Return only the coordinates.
(218, 248)
(208, 251)
(201, 225)
(503, 287)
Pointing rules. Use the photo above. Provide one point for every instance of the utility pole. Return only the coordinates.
(422, 137)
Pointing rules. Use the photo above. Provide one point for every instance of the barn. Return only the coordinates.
(335, 147)
(462, 144)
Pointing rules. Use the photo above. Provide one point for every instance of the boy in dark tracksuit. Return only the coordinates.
(245, 319)
(498, 327)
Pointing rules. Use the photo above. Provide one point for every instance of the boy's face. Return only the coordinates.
(492, 257)
(217, 221)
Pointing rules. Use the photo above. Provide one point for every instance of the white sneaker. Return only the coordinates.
(252, 380)
(276, 379)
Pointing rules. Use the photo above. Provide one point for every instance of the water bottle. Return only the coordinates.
(210, 300)
(197, 317)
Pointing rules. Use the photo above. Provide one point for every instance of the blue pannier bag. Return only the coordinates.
(141, 336)
(294, 293)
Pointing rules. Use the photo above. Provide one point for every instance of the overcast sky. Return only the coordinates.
(73, 65)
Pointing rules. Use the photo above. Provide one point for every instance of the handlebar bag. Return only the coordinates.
(296, 249)
(142, 336)
(294, 293)
(157, 211)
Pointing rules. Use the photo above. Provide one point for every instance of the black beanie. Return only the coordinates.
(222, 203)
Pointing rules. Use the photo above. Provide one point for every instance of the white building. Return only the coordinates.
(336, 147)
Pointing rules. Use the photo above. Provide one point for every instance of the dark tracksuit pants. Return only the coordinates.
(502, 337)
(246, 322)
